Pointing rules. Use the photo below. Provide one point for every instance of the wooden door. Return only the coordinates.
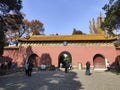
(99, 62)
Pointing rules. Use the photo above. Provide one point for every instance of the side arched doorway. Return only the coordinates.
(99, 61)
(34, 59)
(65, 55)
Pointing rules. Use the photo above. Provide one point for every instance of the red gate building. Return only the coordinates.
(78, 49)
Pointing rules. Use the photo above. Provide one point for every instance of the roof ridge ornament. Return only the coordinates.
(31, 34)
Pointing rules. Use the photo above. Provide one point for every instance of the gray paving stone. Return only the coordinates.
(59, 80)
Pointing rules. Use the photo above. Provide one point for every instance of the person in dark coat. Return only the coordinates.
(26, 67)
(66, 65)
(30, 67)
(87, 68)
(9, 64)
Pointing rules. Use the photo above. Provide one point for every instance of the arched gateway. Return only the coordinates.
(65, 55)
(34, 58)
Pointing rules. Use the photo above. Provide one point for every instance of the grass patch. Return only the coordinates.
(114, 71)
(10, 71)
(5, 71)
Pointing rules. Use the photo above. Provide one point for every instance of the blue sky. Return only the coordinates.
(61, 16)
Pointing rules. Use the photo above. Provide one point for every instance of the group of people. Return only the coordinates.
(6, 65)
(67, 65)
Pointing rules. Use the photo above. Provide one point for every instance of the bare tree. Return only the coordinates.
(95, 27)
(35, 26)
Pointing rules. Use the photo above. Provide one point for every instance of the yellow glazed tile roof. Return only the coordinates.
(11, 47)
(66, 37)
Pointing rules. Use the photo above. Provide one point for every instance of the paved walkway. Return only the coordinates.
(59, 80)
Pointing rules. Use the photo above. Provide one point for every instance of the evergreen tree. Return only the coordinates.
(112, 19)
(77, 32)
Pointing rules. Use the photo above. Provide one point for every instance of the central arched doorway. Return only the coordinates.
(65, 55)
(99, 61)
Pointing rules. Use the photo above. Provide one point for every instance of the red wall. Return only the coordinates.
(118, 52)
(78, 53)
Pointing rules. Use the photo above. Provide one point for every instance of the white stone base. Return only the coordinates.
(102, 69)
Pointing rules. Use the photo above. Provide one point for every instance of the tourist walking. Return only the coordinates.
(26, 67)
(108, 66)
(87, 68)
(30, 67)
(66, 65)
